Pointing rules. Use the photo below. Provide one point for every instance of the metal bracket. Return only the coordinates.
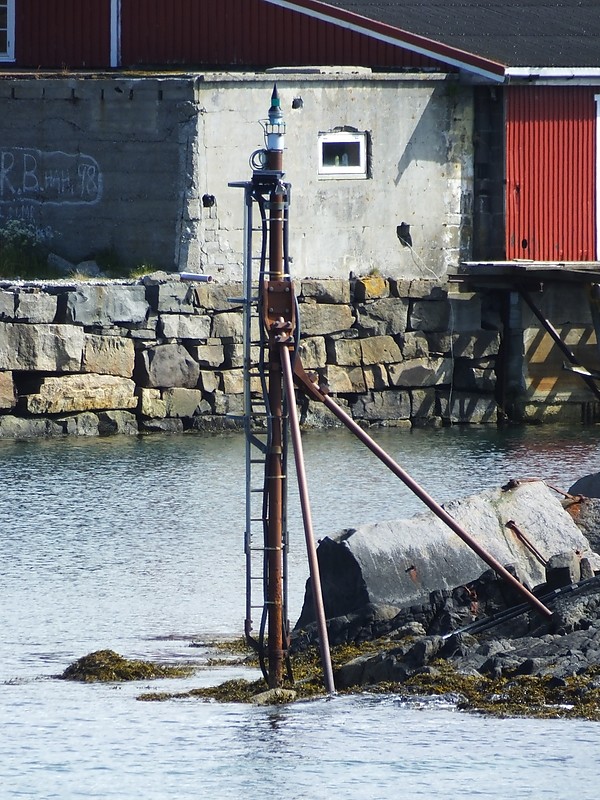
(279, 309)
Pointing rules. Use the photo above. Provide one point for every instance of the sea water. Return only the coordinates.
(136, 544)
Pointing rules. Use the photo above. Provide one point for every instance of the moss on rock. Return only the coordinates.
(106, 666)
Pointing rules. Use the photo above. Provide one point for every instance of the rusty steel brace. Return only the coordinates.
(512, 525)
(312, 389)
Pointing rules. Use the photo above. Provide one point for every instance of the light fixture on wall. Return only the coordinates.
(208, 200)
(297, 102)
(403, 234)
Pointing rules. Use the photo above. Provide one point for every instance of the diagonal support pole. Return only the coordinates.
(313, 391)
(315, 576)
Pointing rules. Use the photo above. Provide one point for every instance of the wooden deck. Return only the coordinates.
(527, 275)
(550, 359)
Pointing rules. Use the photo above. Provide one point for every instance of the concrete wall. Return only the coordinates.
(98, 165)
(420, 137)
(113, 164)
(165, 355)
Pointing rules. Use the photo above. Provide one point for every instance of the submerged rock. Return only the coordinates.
(588, 485)
(274, 697)
(107, 666)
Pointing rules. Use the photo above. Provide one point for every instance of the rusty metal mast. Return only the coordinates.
(275, 305)
(276, 370)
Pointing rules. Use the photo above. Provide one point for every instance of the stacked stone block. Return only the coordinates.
(163, 354)
(413, 354)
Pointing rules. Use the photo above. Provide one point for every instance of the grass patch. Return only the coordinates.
(24, 255)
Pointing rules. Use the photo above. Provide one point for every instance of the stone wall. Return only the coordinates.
(163, 354)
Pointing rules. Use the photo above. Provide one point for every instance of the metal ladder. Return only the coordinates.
(257, 427)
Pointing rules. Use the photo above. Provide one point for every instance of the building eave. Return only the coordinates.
(548, 74)
(451, 56)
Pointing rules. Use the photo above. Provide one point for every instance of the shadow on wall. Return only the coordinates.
(426, 142)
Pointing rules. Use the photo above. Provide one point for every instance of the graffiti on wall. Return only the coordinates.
(31, 179)
(30, 176)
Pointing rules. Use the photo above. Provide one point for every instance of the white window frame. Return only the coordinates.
(115, 33)
(9, 55)
(356, 171)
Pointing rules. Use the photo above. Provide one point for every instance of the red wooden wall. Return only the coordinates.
(62, 34)
(550, 173)
(244, 33)
(75, 34)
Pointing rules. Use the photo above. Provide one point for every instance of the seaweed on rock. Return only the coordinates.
(106, 666)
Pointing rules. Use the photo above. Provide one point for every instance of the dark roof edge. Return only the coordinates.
(452, 56)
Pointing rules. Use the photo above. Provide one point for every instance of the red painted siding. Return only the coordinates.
(550, 173)
(62, 34)
(245, 33)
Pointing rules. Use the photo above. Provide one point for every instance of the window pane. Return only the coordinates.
(341, 154)
(3, 42)
(3, 17)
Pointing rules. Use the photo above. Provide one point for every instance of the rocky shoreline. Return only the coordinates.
(477, 646)
(566, 645)
(479, 637)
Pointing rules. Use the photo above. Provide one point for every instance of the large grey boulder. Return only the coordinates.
(23, 428)
(35, 307)
(104, 305)
(421, 372)
(319, 319)
(586, 515)
(329, 290)
(8, 397)
(7, 305)
(167, 366)
(400, 562)
(185, 326)
(387, 315)
(108, 355)
(589, 485)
